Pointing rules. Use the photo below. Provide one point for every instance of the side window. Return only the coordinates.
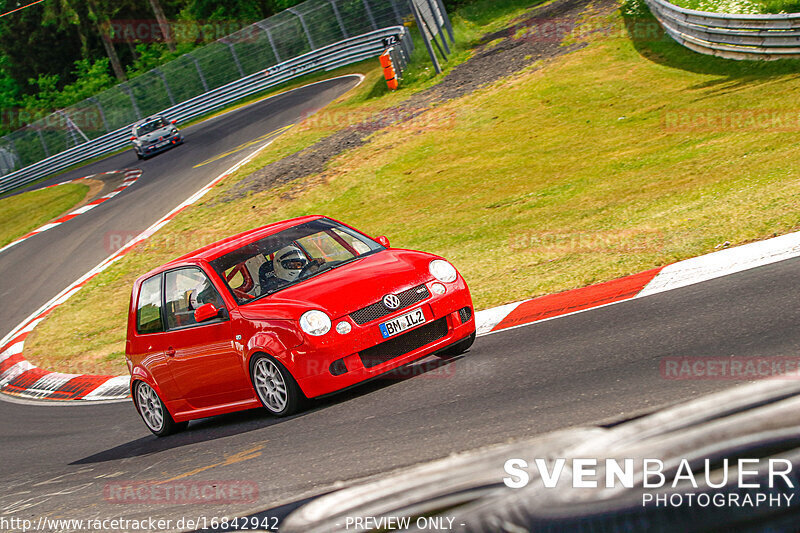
(148, 309)
(235, 277)
(186, 290)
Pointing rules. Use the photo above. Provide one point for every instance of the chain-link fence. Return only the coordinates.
(298, 30)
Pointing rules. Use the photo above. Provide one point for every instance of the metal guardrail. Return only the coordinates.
(732, 36)
(308, 26)
(333, 56)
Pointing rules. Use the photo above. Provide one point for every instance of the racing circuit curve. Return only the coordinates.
(580, 369)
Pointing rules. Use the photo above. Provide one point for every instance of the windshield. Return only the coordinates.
(151, 126)
(289, 257)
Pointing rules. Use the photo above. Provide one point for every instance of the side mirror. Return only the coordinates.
(173, 121)
(383, 241)
(205, 312)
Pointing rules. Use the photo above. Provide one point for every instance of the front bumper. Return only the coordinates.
(333, 362)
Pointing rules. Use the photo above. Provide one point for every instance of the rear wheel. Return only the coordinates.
(457, 348)
(275, 386)
(154, 413)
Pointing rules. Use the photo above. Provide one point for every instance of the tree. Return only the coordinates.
(35, 44)
(163, 24)
(102, 22)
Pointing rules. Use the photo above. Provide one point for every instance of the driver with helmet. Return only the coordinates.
(289, 262)
(287, 266)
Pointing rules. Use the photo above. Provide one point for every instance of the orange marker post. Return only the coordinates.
(388, 71)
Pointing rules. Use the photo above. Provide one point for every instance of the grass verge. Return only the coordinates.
(27, 211)
(619, 157)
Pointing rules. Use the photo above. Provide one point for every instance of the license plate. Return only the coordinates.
(162, 144)
(402, 323)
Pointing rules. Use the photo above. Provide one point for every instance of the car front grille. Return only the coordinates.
(378, 310)
(405, 343)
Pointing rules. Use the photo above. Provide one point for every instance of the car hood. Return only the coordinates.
(154, 135)
(347, 288)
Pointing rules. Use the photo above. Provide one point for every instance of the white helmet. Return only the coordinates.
(289, 262)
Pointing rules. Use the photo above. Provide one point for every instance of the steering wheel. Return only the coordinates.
(314, 263)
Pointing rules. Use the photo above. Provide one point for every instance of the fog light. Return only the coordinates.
(438, 288)
(343, 327)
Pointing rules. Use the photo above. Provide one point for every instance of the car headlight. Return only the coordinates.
(442, 270)
(174, 131)
(315, 323)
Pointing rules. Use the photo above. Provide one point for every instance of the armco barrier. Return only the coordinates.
(731, 36)
(342, 53)
(308, 26)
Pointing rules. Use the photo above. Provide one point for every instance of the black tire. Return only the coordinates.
(267, 374)
(138, 155)
(457, 348)
(154, 413)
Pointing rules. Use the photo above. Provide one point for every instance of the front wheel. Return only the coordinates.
(276, 388)
(154, 413)
(457, 348)
(138, 155)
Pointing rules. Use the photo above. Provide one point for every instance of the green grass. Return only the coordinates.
(591, 168)
(29, 210)
(468, 23)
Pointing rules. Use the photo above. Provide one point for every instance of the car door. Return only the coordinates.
(202, 357)
(150, 340)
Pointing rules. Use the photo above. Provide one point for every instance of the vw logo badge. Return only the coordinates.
(391, 302)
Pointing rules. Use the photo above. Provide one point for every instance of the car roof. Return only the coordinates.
(229, 244)
(148, 119)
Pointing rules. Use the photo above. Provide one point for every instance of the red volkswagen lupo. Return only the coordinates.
(279, 314)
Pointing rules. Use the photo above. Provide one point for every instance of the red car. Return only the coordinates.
(274, 316)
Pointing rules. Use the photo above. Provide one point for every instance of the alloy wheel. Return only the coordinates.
(150, 407)
(271, 385)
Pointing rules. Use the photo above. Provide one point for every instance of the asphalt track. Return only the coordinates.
(34, 271)
(603, 364)
(597, 365)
